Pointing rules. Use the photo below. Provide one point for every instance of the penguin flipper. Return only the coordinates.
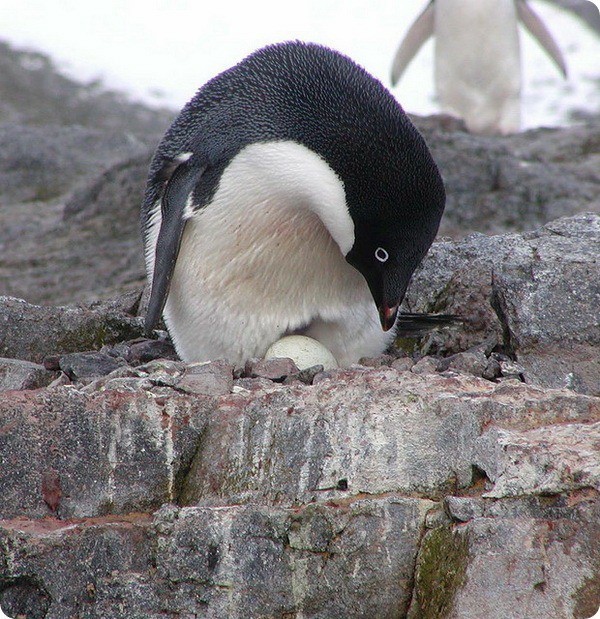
(541, 34)
(584, 9)
(418, 33)
(181, 182)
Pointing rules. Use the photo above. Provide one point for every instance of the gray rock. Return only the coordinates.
(426, 365)
(379, 430)
(110, 451)
(273, 369)
(18, 374)
(144, 350)
(214, 378)
(80, 365)
(32, 332)
(40, 163)
(463, 509)
(480, 568)
(514, 183)
(535, 297)
(237, 562)
(34, 92)
(548, 460)
(471, 362)
(403, 364)
(89, 250)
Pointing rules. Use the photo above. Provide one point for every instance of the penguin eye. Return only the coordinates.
(381, 254)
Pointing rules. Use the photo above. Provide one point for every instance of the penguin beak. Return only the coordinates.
(388, 315)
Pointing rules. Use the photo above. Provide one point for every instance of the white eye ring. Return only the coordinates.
(381, 254)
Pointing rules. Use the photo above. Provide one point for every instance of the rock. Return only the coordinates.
(80, 365)
(305, 376)
(95, 239)
(426, 365)
(34, 92)
(32, 332)
(480, 568)
(145, 350)
(214, 378)
(403, 364)
(235, 562)
(40, 163)
(18, 374)
(549, 460)
(110, 451)
(471, 362)
(380, 430)
(273, 369)
(463, 509)
(534, 297)
(376, 362)
(514, 183)
(549, 297)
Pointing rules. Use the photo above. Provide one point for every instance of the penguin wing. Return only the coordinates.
(181, 181)
(417, 34)
(536, 27)
(584, 9)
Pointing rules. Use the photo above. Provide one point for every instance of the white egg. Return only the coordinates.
(304, 351)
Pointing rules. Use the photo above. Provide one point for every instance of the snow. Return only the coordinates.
(160, 52)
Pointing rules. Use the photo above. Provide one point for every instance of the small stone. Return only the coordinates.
(304, 376)
(52, 363)
(89, 364)
(163, 367)
(463, 509)
(376, 362)
(246, 385)
(403, 364)
(511, 369)
(145, 350)
(426, 365)
(274, 369)
(214, 378)
(467, 362)
(492, 369)
(18, 375)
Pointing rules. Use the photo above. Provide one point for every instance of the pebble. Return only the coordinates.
(274, 369)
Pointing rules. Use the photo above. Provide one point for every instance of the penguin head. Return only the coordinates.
(389, 243)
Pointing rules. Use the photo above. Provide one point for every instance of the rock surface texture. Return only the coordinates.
(457, 477)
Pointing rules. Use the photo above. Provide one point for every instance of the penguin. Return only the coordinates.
(477, 58)
(292, 195)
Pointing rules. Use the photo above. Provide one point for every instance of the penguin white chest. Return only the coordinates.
(477, 63)
(264, 257)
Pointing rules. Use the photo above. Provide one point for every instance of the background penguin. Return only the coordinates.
(477, 58)
(291, 195)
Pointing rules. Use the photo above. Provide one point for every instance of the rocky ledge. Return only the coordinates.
(457, 476)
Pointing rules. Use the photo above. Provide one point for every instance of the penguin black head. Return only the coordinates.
(349, 131)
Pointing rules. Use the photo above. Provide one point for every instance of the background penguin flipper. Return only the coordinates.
(417, 34)
(583, 9)
(180, 185)
(541, 34)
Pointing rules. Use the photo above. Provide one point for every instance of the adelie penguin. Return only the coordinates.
(478, 58)
(291, 195)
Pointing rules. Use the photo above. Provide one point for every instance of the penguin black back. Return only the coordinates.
(321, 99)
